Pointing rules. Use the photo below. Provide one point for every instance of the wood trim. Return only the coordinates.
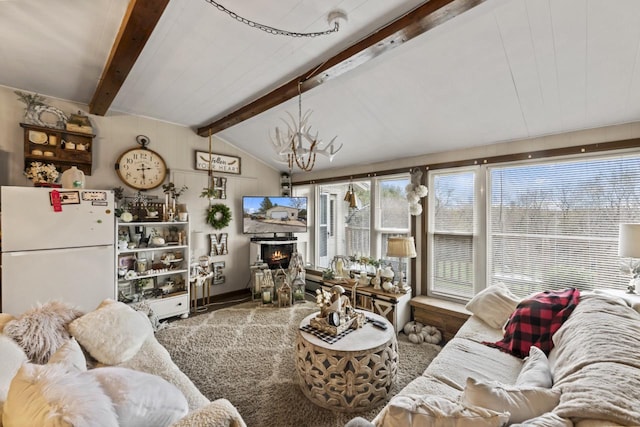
(420, 20)
(136, 28)
(527, 155)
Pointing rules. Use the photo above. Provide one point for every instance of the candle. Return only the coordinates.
(266, 297)
(173, 205)
(166, 200)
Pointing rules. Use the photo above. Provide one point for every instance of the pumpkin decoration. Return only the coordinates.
(431, 334)
(415, 338)
(412, 328)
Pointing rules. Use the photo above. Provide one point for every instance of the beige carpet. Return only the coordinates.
(246, 354)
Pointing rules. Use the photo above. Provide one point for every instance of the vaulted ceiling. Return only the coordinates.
(400, 78)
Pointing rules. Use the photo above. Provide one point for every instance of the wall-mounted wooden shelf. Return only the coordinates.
(62, 156)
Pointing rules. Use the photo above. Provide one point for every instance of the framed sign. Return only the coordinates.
(219, 162)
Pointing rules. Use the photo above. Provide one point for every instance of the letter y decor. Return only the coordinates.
(218, 244)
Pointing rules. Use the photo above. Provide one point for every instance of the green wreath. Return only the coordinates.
(218, 215)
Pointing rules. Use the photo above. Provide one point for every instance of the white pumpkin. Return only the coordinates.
(431, 334)
(412, 327)
(416, 338)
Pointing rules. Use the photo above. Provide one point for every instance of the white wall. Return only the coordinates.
(177, 144)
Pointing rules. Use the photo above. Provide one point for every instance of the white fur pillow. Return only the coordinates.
(4, 319)
(535, 371)
(113, 333)
(50, 395)
(42, 330)
(494, 305)
(521, 403)
(71, 354)
(140, 398)
(435, 411)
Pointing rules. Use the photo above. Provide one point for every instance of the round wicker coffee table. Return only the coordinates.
(353, 374)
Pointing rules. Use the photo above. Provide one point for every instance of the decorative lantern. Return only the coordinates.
(267, 289)
(298, 290)
(284, 295)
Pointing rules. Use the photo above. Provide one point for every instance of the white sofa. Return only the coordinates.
(594, 369)
(114, 335)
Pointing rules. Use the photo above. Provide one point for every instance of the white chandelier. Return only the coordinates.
(297, 145)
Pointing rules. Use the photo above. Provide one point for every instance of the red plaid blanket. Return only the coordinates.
(535, 320)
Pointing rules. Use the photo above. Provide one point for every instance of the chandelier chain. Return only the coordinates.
(272, 30)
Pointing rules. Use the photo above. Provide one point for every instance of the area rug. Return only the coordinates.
(246, 353)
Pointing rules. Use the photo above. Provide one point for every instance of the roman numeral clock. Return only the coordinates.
(141, 168)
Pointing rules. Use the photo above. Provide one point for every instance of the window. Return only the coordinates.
(452, 233)
(548, 224)
(554, 225)
(381, 211)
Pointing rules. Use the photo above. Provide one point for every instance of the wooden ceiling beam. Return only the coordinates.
(136, 28)
(420, 20)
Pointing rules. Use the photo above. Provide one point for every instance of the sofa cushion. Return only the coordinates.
(536, 371)
(140, 398)
(42, 330)
(535, 320)
(113, 333)
(473, 359)
(434, 411)
(494, 305)
(549, 420)
(521, 403)
(51, 395)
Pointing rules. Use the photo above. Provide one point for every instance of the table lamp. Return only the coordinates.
(629, 247)
(401, 247)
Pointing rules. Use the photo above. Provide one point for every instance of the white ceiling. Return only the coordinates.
(505, 70)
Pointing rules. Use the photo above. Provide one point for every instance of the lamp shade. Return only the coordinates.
(629, 241)
(403, 246)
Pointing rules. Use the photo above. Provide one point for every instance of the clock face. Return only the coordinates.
(141, 168)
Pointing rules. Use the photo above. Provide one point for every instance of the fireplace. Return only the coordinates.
(275, 254)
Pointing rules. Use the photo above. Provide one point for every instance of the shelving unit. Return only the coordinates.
(152, 272)
(55, 151)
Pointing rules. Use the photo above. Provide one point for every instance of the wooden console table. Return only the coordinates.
(394, 307)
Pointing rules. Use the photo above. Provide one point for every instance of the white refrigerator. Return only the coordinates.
(66, 254)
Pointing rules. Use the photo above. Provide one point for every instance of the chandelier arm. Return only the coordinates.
(333, 16)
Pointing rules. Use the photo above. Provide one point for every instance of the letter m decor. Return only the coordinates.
(218, 244)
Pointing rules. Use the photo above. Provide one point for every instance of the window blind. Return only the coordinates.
(452, 204)
(554, 225)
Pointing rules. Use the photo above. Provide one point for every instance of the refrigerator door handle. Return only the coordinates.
(44, 252)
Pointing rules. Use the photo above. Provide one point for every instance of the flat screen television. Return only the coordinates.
(274, 214)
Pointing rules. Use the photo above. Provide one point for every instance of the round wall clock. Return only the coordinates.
(141, 168)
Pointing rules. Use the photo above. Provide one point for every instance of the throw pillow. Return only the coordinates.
(42, 330)
(535, 320)
(71, 354)
(550, 420)
(521, 403)
(12, 357)
(113, 333)
(50, 395)
(435, 411)
(535, 371)
(140, 398)
(4, 319)
(494, 305)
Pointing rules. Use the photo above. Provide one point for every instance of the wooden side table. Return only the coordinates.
(353, 374)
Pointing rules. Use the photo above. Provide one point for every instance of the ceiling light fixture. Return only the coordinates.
(297, 145)
(332, 18)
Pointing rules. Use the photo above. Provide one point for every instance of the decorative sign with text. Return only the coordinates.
(219, 162)
(218, 244)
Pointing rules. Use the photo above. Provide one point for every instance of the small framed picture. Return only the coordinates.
(127, 261)
(217, 162)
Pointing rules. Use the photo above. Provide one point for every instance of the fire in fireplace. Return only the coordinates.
(277, 254)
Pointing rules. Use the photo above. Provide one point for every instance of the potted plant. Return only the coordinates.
(42, 174)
